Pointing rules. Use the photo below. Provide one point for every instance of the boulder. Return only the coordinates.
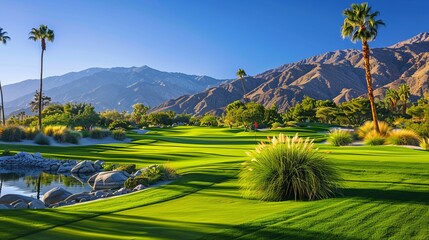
(19, 204)
(139, 187)
(85, 167)
(78, 196)
(110, 180)
(99, 165)
(10, 198)
(91, 179)
(121, 191)
(55, 195)
(137, 173)
(5, 206)
(36, 204)
(63, 168)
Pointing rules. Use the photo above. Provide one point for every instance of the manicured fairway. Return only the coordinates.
(385, 194)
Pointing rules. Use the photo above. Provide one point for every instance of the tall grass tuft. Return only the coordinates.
(287, 168)
(338, 137)
(368, 127)
(31, 133)
(374, 139)
(424, 144)
(99, 133)
(404, 137)
(119, 134)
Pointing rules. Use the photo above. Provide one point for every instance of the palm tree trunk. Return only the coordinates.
(244, 90)
(40, 92)
(2, 105)
(404, 107)
(38, 185)
(365, 52)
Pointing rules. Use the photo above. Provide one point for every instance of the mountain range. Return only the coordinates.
(337, 75)
(108, 88)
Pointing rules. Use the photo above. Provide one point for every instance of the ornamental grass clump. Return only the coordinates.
(288, 168)
(338, 137)
(368, 128)
(404, 137)
(31, 133)
(424, 144)
(374, 139)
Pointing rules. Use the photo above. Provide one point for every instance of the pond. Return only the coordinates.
(36, 183)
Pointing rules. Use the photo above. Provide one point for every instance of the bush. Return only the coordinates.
(338, 137)
(288, 168)
(99, 133)
(42, 139)
(119, 124)
(31, 133)
(129, 168)
(368, 127)
(62, 134)
(110, 166)
(71, 136)
(12, 133)
(7, 152)
(54, 130)
(374, 139)
(276, 125)
(131, 183)
(404, 137)
(424, 144)
(119, 134)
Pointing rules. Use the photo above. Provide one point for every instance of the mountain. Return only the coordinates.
(338, 76)
(112, 88)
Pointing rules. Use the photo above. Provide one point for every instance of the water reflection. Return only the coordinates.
(35, 183)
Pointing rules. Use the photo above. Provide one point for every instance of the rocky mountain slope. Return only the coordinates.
(113, 88)
(337, 75)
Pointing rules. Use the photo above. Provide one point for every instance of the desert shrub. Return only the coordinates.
(31, 132)
(119, 134)
(119, 124)
(276, 125)
(71, 136)
(374, 139)
(84, 133)
(99, 133)
(291, 123)
(338, 137)
(12, 133)
(424, 144)
(403, 137)
(54, 130)
(79, 128)
(131, 183)
(42, 139)
(110, 166)
(287, 168)
(368, 127)
(129, 168)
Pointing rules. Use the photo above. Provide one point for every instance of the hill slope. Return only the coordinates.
(337, 75)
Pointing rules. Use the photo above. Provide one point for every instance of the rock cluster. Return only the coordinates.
(27, 160)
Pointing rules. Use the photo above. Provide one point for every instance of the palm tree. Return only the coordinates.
(43, 33)
(360, 24)
(241, 74)
(404, 94)
(3, 39)
(393, 97)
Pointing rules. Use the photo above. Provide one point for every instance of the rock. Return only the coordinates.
(19, 204)
(78, 196)
(99, 165)
(37, 155)
(137, 173)
(85, 166)
(110, 180)
(121, 191)
(64, 168)
(55, 195)
(10, 198)
(5, 206)
(36, 204)
(99, 193)
(91, 179)
(139, 187)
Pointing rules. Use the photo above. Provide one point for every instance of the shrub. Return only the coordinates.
(291, 123)
(42, 139)
(12, 133)
(374, 139)
(71, 136)
(404, 137)
(129, 168)
(119, 134)
(31, 133)
(6, 152)
(54, 130)
(424, 144)
(276, 125)
(110, 166)
(99, 133)
(368, 127)
(288, 168)
(118, 124)
(131, 183)
(338, 137)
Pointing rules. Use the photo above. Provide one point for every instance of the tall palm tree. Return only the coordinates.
(404, 94)
(43, 33)
(241, 74)
(361, 24)
(4, 38)
(393, 97)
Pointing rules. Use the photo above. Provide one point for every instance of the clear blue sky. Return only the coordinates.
(205, 37)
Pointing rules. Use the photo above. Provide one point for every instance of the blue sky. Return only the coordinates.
(207, 37)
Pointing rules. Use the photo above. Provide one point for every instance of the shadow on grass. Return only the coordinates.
(399, 196)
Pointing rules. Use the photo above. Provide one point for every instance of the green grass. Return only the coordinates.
(385, 194)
